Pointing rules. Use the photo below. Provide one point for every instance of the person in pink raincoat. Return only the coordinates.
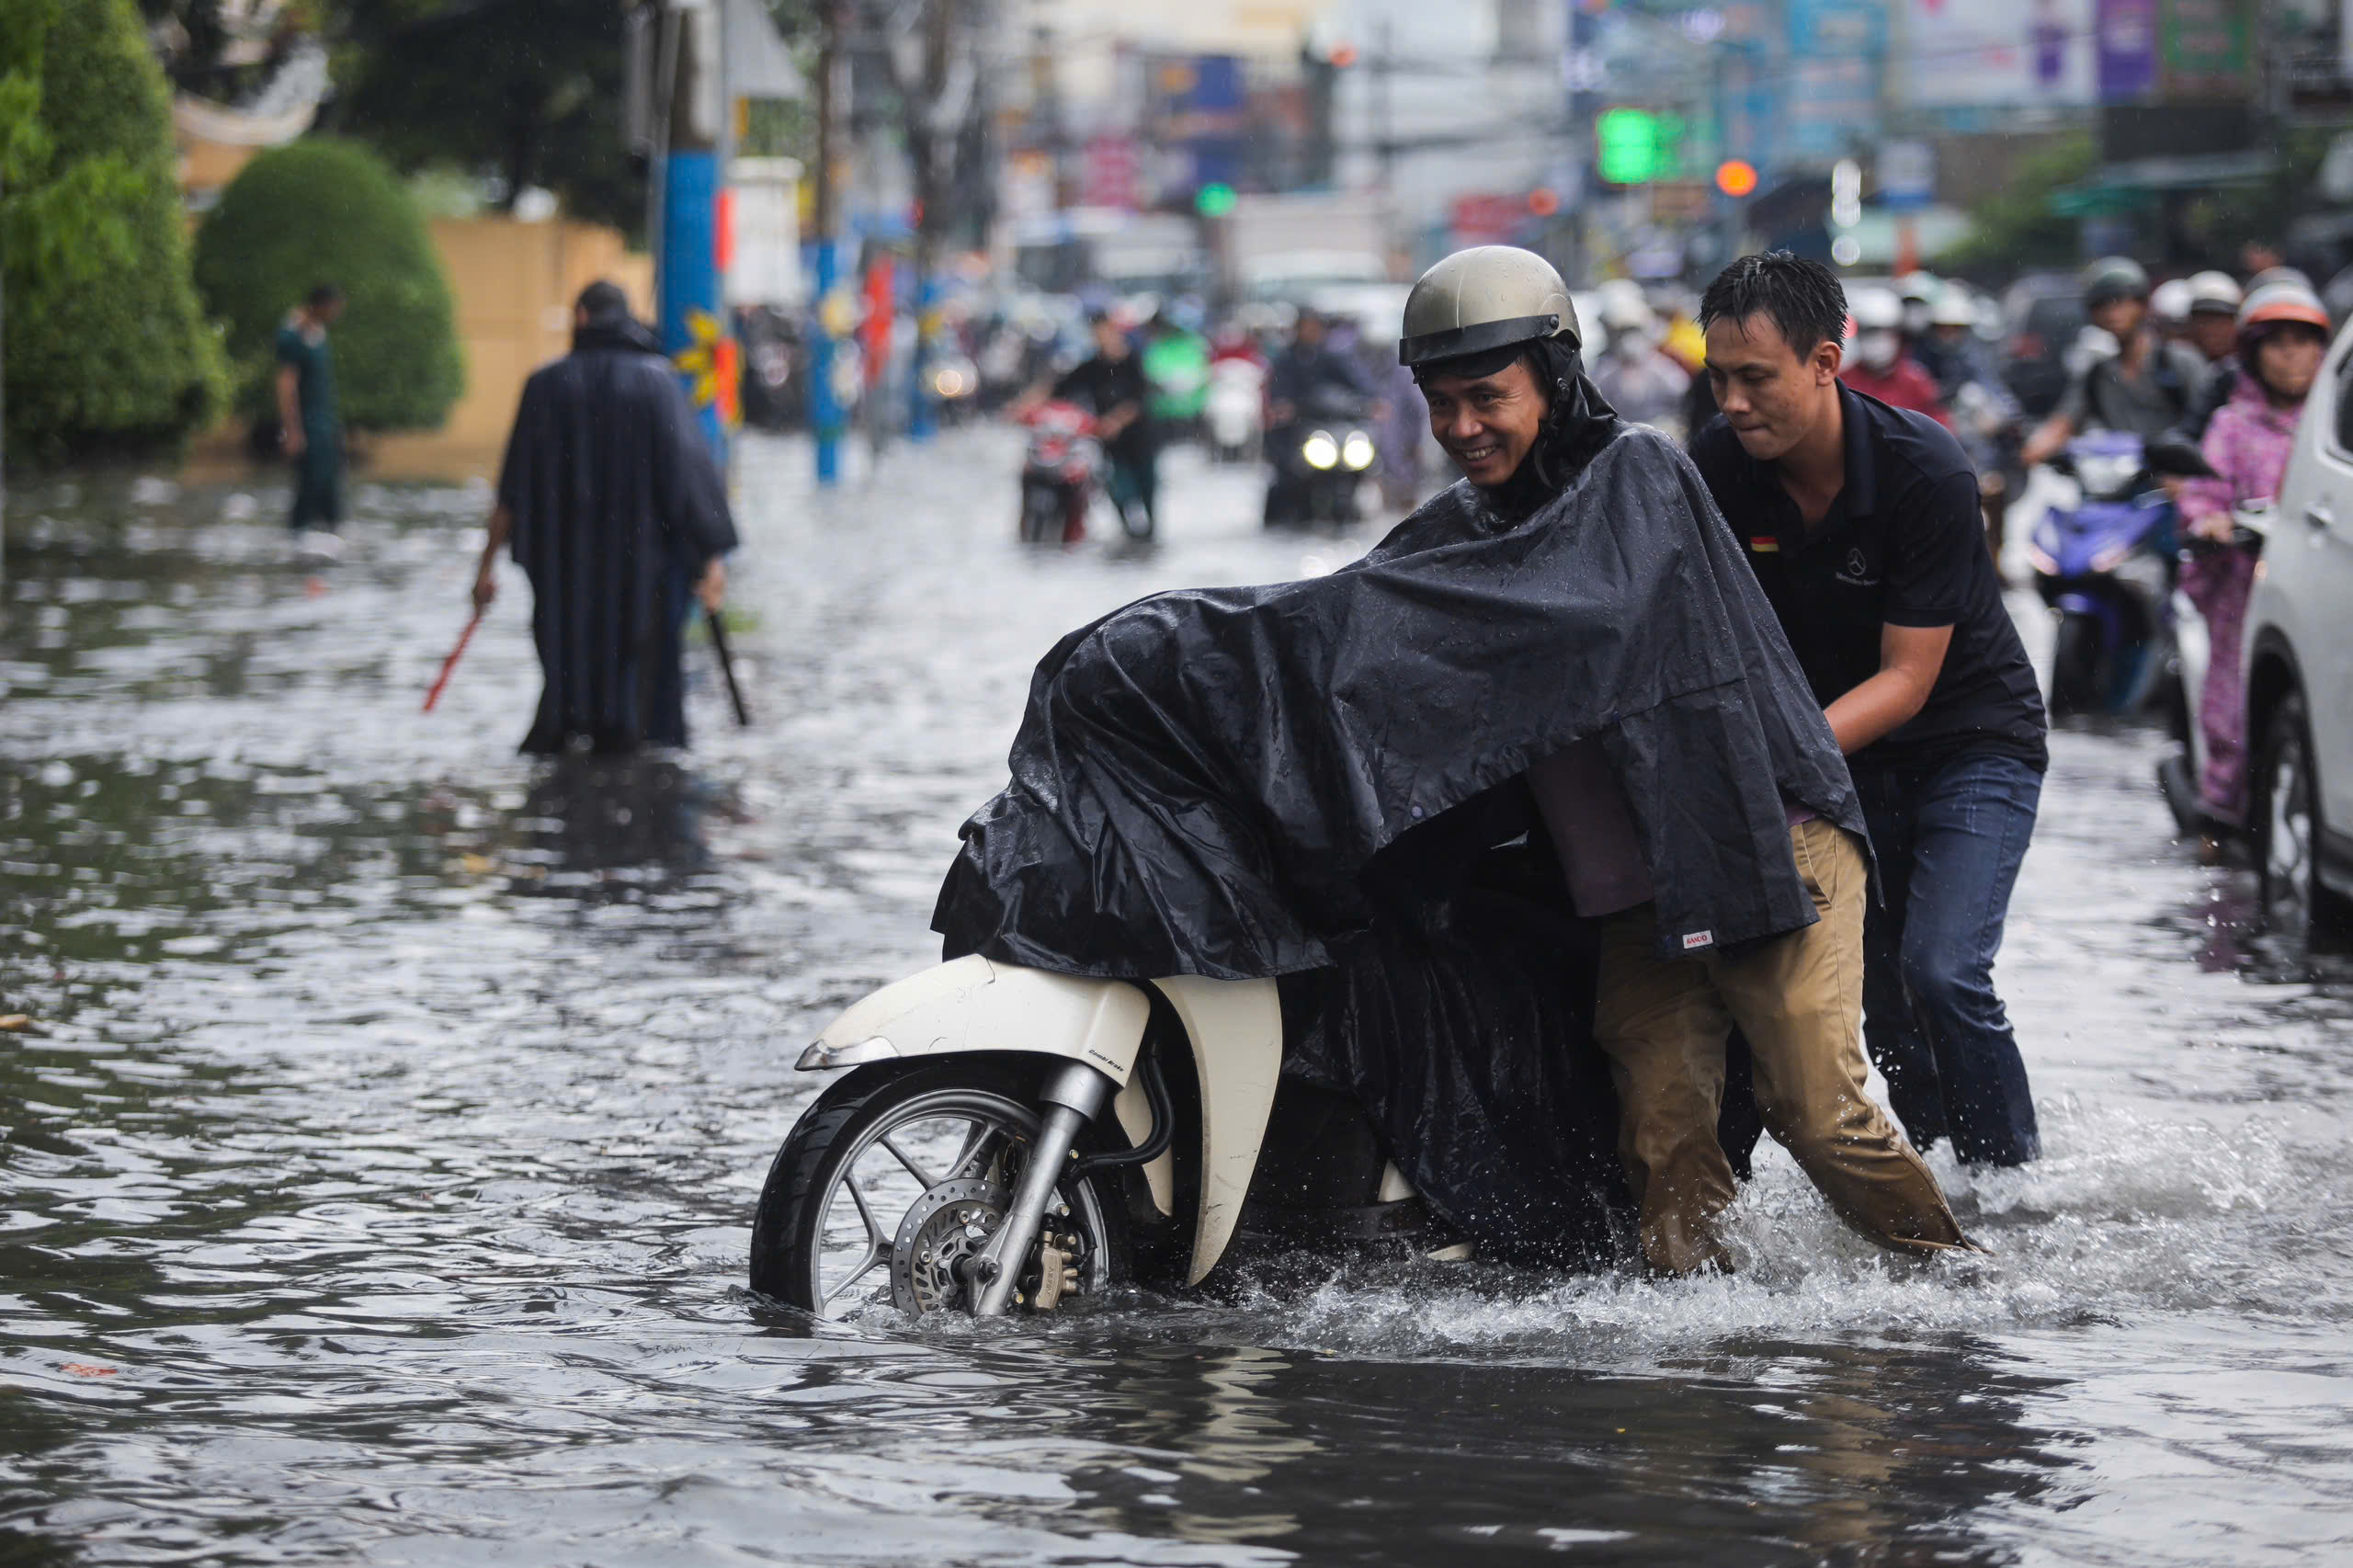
(2283, 334)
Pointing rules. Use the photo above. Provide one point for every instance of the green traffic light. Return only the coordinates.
(1214, 201)
(1633, 146)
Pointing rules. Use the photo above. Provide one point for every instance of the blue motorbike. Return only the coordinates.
(2105, 568)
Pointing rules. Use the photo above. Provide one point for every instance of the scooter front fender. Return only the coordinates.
(973, 1004)
(1237, 1034)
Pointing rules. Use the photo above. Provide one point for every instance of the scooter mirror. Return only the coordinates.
(2175, 455)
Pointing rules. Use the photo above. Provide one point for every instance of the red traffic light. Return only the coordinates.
(1736, 176)
(1543, 201)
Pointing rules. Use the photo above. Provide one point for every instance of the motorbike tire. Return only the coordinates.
(1040, 515)
(2077, 683)
(2291, 902)
(788, 1225)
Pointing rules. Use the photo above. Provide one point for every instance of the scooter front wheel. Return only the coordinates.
(889, 1184)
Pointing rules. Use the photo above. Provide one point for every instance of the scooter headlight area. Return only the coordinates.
(1320, 451)
(1357, 452)
(2108, 476)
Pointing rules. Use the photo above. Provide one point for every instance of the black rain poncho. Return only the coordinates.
(618, 506)
(1201, 778)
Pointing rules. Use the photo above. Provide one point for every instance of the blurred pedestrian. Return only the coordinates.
(1640, 381)
(309, 421)
(1861, 523)
(615, 508)
(2282, 336)
(1985, 413)
(1880, 365)
(2143, 389)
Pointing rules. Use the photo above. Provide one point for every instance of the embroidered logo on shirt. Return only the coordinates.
(1697, 939)
(1763, 544)
(1854, 571)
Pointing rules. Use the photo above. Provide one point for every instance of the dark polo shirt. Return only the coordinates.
(1904, 544)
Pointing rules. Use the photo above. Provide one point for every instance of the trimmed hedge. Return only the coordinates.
(326, 211)
(107, 349)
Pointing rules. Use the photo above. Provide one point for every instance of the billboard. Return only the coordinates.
(1833, 105)
(2005, 54)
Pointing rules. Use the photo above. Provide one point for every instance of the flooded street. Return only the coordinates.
(381, 1152)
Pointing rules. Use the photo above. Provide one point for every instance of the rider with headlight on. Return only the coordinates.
(1320, 405)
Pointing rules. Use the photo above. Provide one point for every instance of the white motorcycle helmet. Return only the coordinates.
(1878, 339)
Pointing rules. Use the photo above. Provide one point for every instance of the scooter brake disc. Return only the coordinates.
(946, 1225)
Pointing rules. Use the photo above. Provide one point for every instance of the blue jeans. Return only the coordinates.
(1950, 839)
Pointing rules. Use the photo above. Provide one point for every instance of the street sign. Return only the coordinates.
(1907, 175)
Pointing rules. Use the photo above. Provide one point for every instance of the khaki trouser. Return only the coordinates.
(1798, 998)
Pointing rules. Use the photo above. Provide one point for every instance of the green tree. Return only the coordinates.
(105, 348)
(525, 92)
(325, 212)
(2018, 228)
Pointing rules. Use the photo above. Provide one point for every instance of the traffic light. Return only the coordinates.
(1736, 176)
(1213, 200)
(1626, 143)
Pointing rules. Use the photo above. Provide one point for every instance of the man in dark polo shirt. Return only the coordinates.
(1862, 524)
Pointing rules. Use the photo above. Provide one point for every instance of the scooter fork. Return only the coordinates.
(1074, 1095)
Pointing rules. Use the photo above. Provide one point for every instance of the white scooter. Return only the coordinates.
(1233, 410)
(967, 1163)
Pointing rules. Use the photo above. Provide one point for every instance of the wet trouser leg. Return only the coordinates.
(318, 481)
(1951, 841)
(1662, 1022)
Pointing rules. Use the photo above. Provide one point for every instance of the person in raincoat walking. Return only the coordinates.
(615, 508)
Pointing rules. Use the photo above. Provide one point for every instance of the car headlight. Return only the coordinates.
(1319, 450)
(1357, 451)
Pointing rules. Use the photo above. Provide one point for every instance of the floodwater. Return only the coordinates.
(381, 1153)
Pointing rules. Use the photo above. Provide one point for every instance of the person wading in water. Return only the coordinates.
(616, 512)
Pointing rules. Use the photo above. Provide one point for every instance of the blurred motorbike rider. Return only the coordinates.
(1862, 526)
(1879, 365)
(2282, 336)
(1309, 366)
(1920, 291)
(1492, 336)
(2212, 329)
(1641, 382)
(2143, 389)
(1111, 385)
(1985, 413)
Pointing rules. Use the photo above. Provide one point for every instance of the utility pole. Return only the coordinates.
(686, 284)
(1384, 71)
(930, 140)
(825, 419)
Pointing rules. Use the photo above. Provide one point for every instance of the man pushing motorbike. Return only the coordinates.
(1493, 339)
(1204, 780)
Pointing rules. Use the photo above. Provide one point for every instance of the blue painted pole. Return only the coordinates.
(922, 413)
(693, 318)
(825, 419)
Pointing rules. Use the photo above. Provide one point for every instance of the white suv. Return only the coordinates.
(2300, 669)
